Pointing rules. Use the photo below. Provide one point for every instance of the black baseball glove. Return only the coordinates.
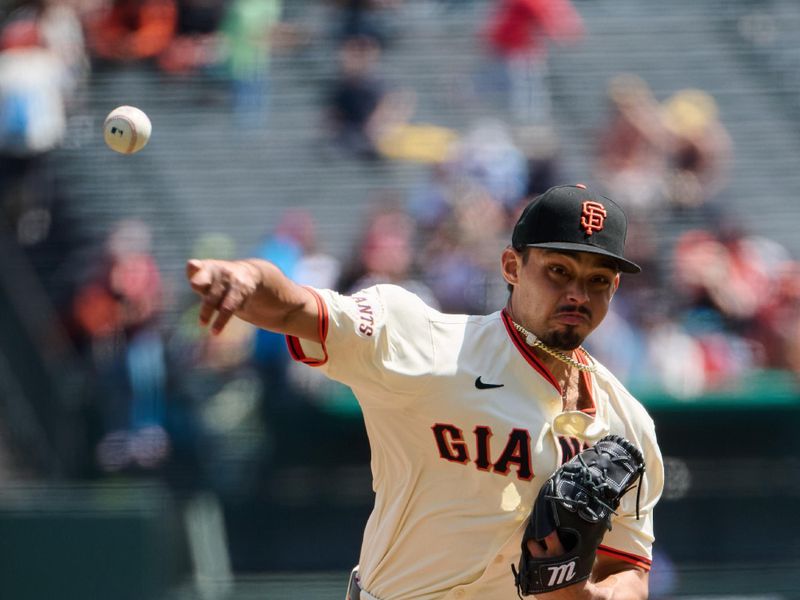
(577, 502)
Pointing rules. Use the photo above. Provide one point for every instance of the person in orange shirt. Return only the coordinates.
(132, 30)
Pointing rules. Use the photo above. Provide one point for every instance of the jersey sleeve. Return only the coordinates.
(378, 340)
(631, 539)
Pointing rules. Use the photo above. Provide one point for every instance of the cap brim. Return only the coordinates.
(625, 265)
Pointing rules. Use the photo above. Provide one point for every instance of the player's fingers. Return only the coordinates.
(222, 319)
(213, 298)
(230, 304)
(537, 548)
(548, 547)
(554, 545)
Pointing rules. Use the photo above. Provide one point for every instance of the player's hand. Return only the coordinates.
(224, 287)
(549, 547)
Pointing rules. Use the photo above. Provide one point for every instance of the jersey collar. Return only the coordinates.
(533, 360)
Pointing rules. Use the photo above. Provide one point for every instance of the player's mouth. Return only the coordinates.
(572, 317)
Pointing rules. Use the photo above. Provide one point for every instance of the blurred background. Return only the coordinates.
(362, 141)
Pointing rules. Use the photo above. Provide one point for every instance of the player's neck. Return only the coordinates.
(567, 376)
(556, 367)
(553, 358)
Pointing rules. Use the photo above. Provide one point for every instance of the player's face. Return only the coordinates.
(560, 296)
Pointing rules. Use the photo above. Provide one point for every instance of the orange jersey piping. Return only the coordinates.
(639, 561)
(296, 348)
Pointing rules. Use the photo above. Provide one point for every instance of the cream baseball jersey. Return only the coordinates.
(460, 417)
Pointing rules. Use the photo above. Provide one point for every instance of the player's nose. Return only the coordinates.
(577, 293)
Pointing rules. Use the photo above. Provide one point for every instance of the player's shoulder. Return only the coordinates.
(391, 305)
(395, 304)
(396, 299)
(385, 295)
(402, 298)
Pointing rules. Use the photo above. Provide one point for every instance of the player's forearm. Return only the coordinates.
(279, 304)
(255, 291)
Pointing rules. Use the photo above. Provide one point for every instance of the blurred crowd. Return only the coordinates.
(713, 306)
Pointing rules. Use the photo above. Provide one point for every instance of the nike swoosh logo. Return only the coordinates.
(486, 386)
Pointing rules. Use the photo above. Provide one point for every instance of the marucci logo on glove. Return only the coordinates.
(559, 574)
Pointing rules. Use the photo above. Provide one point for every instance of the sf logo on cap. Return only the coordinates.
(592, 217)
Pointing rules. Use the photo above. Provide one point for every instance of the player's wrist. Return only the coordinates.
(254, 269)
(584, 590)
(592, 591)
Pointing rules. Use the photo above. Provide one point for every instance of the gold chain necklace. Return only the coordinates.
(535, 342)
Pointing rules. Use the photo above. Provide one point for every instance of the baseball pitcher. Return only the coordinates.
(506, 460)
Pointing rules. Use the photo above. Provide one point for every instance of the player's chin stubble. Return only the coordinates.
(563, 340)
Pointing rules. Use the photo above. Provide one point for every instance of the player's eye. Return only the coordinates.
(558, 270)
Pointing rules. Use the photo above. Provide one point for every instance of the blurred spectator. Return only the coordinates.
(700, 151)
(488, 157)
(366, 18)
(651, 347)
(196, 45)
(621, 345)
(386, 255)
(736, 309)
(459, 261)
(541, 147)
(728, 270)
(248, 29)
(415, 142)
(781, 321)
(518, 33)
(729, 280)
(632, 147)
(123, 31)
(360, 108)
(62, 33)
(429, 201)
(33, 82)
(675, 360)
(464, 209)
(485, 161)
(115, 322)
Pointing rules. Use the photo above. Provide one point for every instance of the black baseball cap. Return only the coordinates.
(572, 217)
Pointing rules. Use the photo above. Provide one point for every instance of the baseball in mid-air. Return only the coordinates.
(127, 129)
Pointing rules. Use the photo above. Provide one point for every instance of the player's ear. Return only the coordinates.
(615, 285)
(511, 262)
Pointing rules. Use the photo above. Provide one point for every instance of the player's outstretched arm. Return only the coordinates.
(255, 291)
